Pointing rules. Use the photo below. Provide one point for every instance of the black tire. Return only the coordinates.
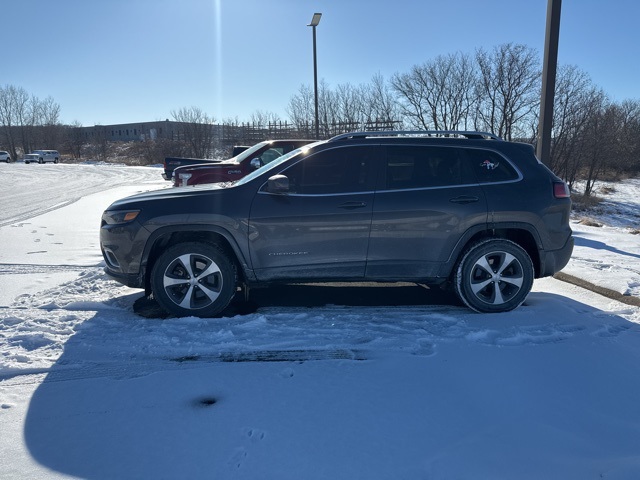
(55, 160)
(40, 161)
(194, 279)
(494, 275)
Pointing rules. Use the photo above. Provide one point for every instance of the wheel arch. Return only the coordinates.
(164, 238)
(520, 233)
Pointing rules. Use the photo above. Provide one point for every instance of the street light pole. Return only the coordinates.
(314, 23)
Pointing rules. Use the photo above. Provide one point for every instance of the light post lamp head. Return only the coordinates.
(315, 20)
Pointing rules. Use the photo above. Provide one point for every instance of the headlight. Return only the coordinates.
(117, 217)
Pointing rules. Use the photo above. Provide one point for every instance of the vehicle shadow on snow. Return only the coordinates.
(317, 295)
(596, 245)
(122, 417)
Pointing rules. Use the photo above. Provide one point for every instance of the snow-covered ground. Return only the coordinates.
(382, 390)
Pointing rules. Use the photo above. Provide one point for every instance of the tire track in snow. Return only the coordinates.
(60, 185)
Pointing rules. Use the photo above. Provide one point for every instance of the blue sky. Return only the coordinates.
(124, 61)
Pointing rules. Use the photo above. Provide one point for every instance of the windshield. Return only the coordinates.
(270, 166)
(247, 153)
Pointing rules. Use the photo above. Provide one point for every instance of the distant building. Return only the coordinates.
(127, 132)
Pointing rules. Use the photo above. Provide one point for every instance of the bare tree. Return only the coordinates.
(28, 121)
(9, 99)
(48, 117)
(263, 119)
(380, 103)
(150, 152)
(100, 147)
(627, 152)
(410, 88)
(301, 108)
(439, 94)
(508, 90)
(596, 143)
(198, 130)
(346, 107)
(576, 99)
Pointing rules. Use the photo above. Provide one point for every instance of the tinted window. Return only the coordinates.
(490, 166)
(338, 170)
(420, 167)
(271, 154)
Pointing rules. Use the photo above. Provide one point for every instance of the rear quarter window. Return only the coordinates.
(490, 166)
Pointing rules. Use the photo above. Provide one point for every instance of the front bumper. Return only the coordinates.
(131, 281)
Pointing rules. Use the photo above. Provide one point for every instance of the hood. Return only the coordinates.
(209, 166)
(136, 200)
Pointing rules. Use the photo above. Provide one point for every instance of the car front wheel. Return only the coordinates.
(194, 279)
(494, 275)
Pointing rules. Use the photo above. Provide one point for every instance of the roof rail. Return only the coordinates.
(417, 133)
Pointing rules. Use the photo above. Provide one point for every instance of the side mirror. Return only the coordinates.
(278, 184)
(256, 163)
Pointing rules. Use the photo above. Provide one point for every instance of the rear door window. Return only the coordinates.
(409, 167)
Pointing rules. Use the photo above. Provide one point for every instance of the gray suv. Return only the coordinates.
(464, 210)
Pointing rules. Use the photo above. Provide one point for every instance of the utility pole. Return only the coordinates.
(549, 68)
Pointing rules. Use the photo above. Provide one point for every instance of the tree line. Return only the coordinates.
(495, 90)
(27, 121)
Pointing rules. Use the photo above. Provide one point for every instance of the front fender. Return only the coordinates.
(161, 238)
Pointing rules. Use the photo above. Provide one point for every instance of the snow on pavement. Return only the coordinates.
(89, 389)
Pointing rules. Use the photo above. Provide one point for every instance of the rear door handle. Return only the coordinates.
(352, 205)
(464, 199)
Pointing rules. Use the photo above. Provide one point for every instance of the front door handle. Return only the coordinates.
(464, 199)
(352, 205)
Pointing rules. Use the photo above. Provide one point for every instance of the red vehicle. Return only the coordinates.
(237, 167)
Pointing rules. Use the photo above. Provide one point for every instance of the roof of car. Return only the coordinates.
(471, 135)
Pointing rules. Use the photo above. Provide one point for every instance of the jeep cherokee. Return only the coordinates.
(460, 209)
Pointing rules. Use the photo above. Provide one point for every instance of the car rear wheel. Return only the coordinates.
(494, 275)
(194, 279)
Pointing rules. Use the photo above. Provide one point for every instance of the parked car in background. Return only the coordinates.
(466, 211)
(171, 163)
(42, 156)
(237, 167)
(31, 158)
(4, 156)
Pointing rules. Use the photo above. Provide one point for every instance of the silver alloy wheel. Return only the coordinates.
(192, 281)
(496, 277)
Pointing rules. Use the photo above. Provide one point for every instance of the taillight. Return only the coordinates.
(560, 190)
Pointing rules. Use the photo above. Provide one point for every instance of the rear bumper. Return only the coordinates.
(553, 261)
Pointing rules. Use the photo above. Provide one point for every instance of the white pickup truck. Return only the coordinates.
(42, 156)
